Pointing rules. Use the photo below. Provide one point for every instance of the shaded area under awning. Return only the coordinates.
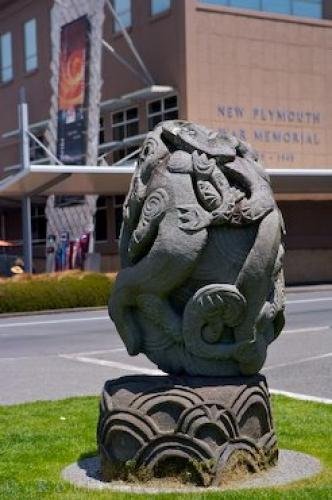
(301, 181)
(67, 180)
(80, 180)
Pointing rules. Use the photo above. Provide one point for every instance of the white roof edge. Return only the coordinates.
(284, 180)
(64, 169)
(153, 89)
(82, 169)
(124, 169)
(13, 178)
(299, 172)
(140, 94)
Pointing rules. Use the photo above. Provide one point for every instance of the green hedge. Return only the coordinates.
(55, 291)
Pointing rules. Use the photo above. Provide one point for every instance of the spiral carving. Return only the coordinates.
(203, 166)
(208, 317)
(146, 230)
(155, 204)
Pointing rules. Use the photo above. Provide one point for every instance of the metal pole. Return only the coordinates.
(27, 234)
(44, 148)
(124, 62)
(23, 120)
(129, 42)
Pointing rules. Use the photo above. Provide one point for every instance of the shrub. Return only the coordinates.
(55, 291)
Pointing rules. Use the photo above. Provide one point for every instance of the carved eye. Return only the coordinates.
(148, 149)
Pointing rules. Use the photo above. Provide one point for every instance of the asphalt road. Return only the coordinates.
(69, 354)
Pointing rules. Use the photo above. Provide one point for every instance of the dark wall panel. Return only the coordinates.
(308, 224)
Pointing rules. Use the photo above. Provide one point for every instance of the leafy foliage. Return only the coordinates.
(55, 291)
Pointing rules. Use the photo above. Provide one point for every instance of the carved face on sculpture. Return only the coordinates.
(154, 153)
(202, 286)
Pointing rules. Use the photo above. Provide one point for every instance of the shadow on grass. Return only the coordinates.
(88, 454)
(89, 462)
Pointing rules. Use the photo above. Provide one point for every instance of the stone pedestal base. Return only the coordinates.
(196, 429)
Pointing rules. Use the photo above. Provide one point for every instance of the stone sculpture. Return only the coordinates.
(201, 289)
(201, 293)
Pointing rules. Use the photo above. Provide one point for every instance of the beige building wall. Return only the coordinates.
(160, 41)
(265, 77)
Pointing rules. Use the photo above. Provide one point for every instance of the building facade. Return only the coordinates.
(257, 68)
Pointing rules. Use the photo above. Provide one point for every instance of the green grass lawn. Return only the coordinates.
(37, 440)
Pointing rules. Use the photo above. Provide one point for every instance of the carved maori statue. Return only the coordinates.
(201, 290)
(201, 293)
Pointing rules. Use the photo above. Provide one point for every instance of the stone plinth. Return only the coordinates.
(198, 429)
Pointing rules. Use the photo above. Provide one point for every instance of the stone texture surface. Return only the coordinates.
(165, 425)
(201, 289)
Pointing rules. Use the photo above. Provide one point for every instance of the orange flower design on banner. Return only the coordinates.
(71, 84)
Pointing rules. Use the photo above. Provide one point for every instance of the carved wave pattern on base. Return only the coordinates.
(176, 424)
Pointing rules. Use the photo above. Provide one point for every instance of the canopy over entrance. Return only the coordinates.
(80, 180)
(67, 180)
(44, 180)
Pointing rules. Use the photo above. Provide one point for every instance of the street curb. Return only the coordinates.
(52, 311)
(308, 288)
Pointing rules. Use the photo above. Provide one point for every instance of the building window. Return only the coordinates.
(307, 8)
(101, 130)
(162, 109)
(36, 151)
(281, 6)
(158, 6)
(38, 224)
(246, 4)
(101, 219)
(303, 8)
(63, 201)
(123, 10)
(118, 213)
(3, 226)
(6, 57)
(124, 124)
(30, 45)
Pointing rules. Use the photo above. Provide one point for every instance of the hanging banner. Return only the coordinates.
(73, 129)
(72, 92)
